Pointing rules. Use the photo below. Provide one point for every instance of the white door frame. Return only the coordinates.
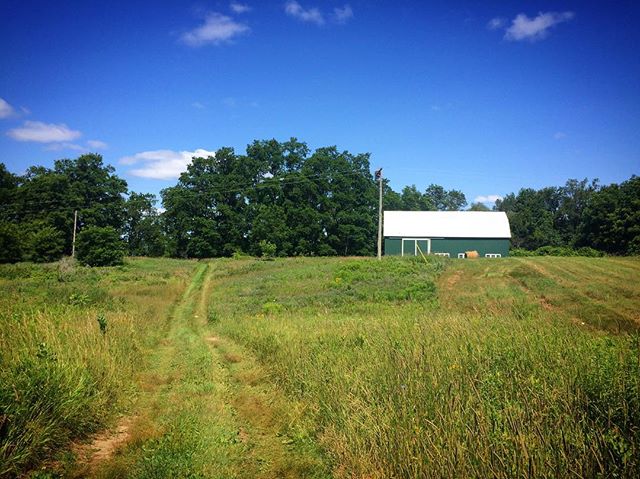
(415, 245)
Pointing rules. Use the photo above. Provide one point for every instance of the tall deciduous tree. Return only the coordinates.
(611, 219)
(48, 197)
(143, 226)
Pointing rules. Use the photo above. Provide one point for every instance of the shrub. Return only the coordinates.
(589, 252)
(520, 252)
(267, 249)
(10, 243)
(199, 248)
(47, 244)
(563, 251)
(100, 247)
(555, 251)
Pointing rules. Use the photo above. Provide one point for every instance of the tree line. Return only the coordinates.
(277, 198)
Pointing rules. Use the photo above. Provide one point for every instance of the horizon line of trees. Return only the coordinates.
(280, 196)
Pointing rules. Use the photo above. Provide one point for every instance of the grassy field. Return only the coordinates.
(470, 369)
(332, 367)
(72, 342)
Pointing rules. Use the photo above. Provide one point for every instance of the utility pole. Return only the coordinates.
(379, 178)
(73, 244)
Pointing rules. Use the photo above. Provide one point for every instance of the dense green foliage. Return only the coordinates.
(557, 251)
(579, 214)
(10, 243)
(47, 244)
(143, 226)
(305, 204)
(320, 203)
(100, 247)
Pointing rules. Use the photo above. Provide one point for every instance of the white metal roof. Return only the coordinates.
(446, 224)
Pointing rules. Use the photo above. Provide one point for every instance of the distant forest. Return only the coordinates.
(282, 198)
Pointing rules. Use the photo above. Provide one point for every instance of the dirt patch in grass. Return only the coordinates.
(103, 446)
(232, 357)
(453, 279)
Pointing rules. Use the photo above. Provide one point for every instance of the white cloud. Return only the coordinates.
(487, 199)
(162, 164)
(64, 146)
(198, 105)
(559, 135)
(496, 23)
(344, 14)
(6, 110)
(91, 145)
(239, 7)
(311, 15)
(44, 132)
(532, 29)
(217, 29)
(97, 144)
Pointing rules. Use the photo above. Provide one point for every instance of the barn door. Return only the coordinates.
(409, 247)
(422, 246)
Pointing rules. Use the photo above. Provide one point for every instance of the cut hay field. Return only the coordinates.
(323, 367)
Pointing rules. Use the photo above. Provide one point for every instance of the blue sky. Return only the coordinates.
(485, 97)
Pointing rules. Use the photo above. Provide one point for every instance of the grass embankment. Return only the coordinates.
(72, 341)
(495, 376)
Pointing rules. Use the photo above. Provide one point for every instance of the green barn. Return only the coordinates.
(446, 233)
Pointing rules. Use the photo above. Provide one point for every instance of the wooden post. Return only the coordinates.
(73, 244)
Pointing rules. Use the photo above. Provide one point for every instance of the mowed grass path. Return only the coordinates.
(208, 410)
(600, 293)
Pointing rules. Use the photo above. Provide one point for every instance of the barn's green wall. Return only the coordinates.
(453, 246)
(392, 246)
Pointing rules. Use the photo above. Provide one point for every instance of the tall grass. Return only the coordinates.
(72, 340)
(401, 387)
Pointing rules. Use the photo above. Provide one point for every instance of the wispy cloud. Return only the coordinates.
(92, 145)
(536, 28)
(162, 164)
(64, 146)
(6, 110)
(310, 15)
(217, 29)
(559, 135)
(487, 199)
(97, 144)
(239, 7)
(343, 14)
(44, 132)
(496, 23)
(198, 105)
